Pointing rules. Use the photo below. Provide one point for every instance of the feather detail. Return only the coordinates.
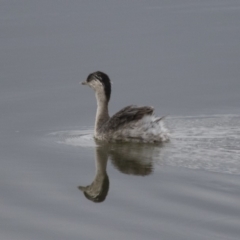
(127, 115)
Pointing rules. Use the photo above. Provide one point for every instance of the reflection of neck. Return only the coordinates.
(102, 111)
(101, 163)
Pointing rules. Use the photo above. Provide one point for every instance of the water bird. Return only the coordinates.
(132, 123)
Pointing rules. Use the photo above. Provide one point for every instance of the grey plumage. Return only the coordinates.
(127, 115)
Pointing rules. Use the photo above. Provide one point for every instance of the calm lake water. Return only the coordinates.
(182, 57)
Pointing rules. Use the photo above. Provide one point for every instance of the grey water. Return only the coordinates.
(182, 57)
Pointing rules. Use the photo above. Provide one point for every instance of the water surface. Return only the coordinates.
(182, 57)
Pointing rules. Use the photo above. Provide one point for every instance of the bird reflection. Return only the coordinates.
(98, 190)
(128, 158)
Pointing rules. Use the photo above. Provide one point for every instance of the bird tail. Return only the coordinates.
(159, 119)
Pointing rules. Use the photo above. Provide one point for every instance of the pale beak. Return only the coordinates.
(84, 83)
(82, 188)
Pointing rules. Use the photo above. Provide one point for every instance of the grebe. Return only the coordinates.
(131, 123)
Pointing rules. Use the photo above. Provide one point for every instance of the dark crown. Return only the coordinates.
(104, 79)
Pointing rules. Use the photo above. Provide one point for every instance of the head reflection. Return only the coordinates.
(129, 158)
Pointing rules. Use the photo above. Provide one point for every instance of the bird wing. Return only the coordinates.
(128, 114)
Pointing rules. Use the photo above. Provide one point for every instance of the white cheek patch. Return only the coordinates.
(96, 85)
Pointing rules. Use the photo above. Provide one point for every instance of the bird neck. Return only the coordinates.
(102, 115)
